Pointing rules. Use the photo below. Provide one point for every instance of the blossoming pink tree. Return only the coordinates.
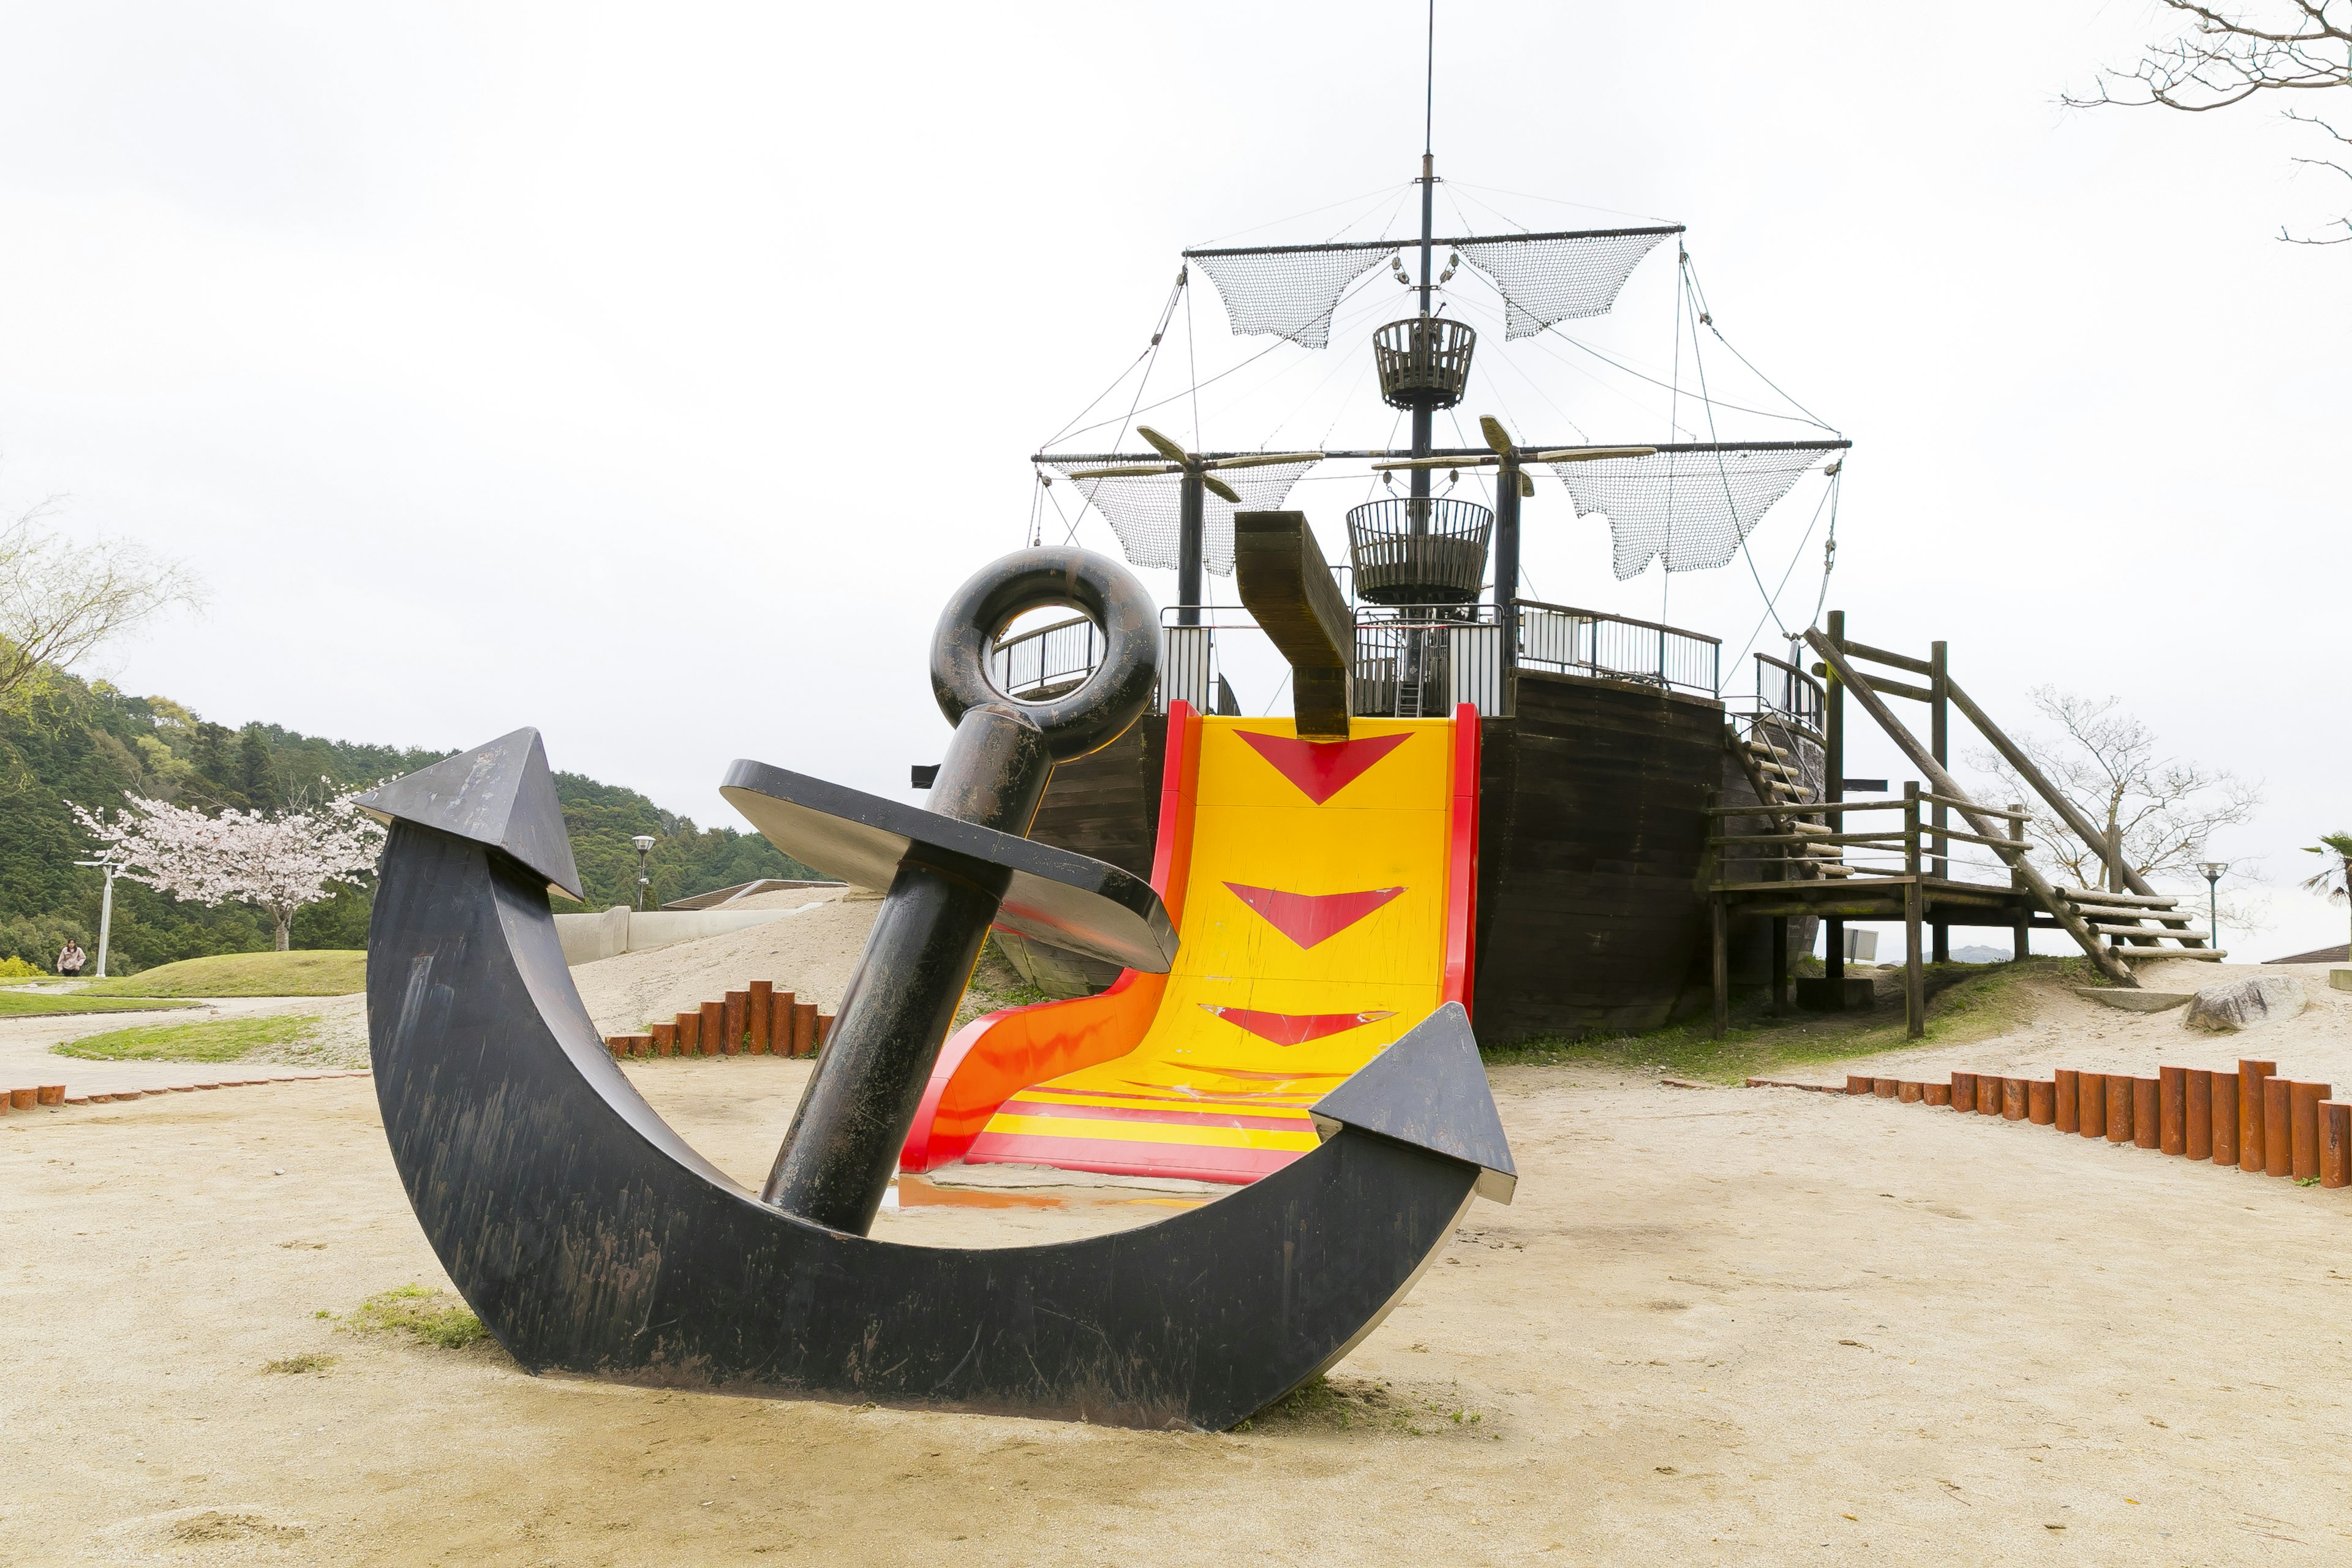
(281, 861)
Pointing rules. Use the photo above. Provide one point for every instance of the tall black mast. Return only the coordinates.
(1423, 416)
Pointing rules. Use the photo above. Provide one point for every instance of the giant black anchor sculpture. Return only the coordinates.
(591, 1239)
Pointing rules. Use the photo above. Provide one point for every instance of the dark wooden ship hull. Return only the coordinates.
(1592, 840)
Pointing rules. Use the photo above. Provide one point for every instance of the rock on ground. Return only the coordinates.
(2242, 1004)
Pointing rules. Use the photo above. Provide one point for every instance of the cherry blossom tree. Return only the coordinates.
(280, 860)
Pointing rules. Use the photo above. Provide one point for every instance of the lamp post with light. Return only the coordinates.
(2211, 870)
(645, 843)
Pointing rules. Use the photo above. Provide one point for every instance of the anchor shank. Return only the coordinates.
(838, 1156)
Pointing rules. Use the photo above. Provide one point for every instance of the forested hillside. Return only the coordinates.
(88, 744)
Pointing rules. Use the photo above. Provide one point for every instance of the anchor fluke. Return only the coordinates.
(500, 793)
(1429, 1089)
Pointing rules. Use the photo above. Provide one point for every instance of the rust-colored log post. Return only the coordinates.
(1859, 1083)
(2172, 1110)
(616, 1046)
(2252, 1074)
(2197, 1114)
(2041, 1101)
(1964, 1092)
(779, 1022)
(2119, 1107)
(803, 1028)
(1988, 1094)
(2147, 1095)
(2067, 1095)
(2013, 1100)
(823, 1029)
(2091, 1120)
(1886, 1087)
(714, 1027)
(665, 1039)
(1910, 1093)
(2335, 1143)
(734, 1018)
(689, 1033)
(50, 1094)
(2227, 1118)
(1936, 1094)
(2302, 1122)
(2278, 1128)
(755, 1021)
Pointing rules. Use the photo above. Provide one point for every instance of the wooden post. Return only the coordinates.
(1964, 1092)
(2278, 1128)
(2197, 1115)
(2068, 1107)
(763, 996)
(2251, 1078)
(1939, 741)
(2147, 1096)
(1779, 967)
(689, 1033)
(2226, 1119)
(665, 1039)
(2013, 1098)
(736, 1018)
(1833, 789)
(2041, 1101)
(2335, 1144)
(1721, 961)
(2172, 1110)
(714, 1027)
(2302, 1119)
(2091, 1104)
(2119, 1108)
(803, 1028)
(2020, 928)
(1915, 990)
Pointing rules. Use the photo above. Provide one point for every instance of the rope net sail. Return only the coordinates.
(1287, 293)
(1690, 509)
(1145, 510)
(1557, 279)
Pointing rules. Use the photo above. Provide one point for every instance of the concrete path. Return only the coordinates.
(27, 1060)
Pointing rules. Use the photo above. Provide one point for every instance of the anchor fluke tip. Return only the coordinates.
(501, 794)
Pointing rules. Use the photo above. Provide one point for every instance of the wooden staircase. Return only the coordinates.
(2137, 925)
(1770, 773)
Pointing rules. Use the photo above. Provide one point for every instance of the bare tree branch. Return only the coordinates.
(2162, 810)
(59, 601)
(2223, 57)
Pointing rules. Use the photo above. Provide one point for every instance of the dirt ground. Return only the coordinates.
(1729, 1326)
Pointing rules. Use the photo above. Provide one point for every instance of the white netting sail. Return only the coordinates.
(1143, 511)
(1289, 291)
(1545, 279)
(1690, 508)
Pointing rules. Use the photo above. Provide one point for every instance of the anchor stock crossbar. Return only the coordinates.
(1806, 838)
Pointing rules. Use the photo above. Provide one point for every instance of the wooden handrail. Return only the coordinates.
(1865, 693)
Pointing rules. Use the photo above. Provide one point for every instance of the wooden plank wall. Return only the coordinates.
(1590, 845)
(1106, 804)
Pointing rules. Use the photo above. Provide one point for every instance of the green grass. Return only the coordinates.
(428, 1316)
(215, 1040)
(331, 971)
(53, 1004)
(1965, 1002)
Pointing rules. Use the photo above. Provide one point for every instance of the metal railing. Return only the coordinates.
(1041, 665)
(1570, 641)
(1788, 694)
(1411, 662)
(1414, 549)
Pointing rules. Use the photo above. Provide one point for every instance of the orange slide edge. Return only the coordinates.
(998, 1055)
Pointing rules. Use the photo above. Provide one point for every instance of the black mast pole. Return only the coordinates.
(1190, 494)
(1506, 555)
(1424, 415)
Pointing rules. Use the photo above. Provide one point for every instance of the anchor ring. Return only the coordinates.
(1102, 707)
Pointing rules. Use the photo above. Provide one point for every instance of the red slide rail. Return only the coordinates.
(1027, 1046)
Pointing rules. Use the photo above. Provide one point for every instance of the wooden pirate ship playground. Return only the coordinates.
(1653, 825)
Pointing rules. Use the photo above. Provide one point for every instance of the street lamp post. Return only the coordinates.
(645, 843)
(2212, 871)
(105, 909)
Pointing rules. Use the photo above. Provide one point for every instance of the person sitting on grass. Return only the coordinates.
(70, 958)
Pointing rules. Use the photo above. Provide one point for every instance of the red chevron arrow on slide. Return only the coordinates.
(1311, 918)
(1293, 1028)
(1321, 768)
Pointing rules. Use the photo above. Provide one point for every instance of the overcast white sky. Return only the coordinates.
(650, 375)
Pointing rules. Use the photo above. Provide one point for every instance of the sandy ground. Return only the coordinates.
(1718, 1327)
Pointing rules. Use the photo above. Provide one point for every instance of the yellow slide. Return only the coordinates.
(1325, 893)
